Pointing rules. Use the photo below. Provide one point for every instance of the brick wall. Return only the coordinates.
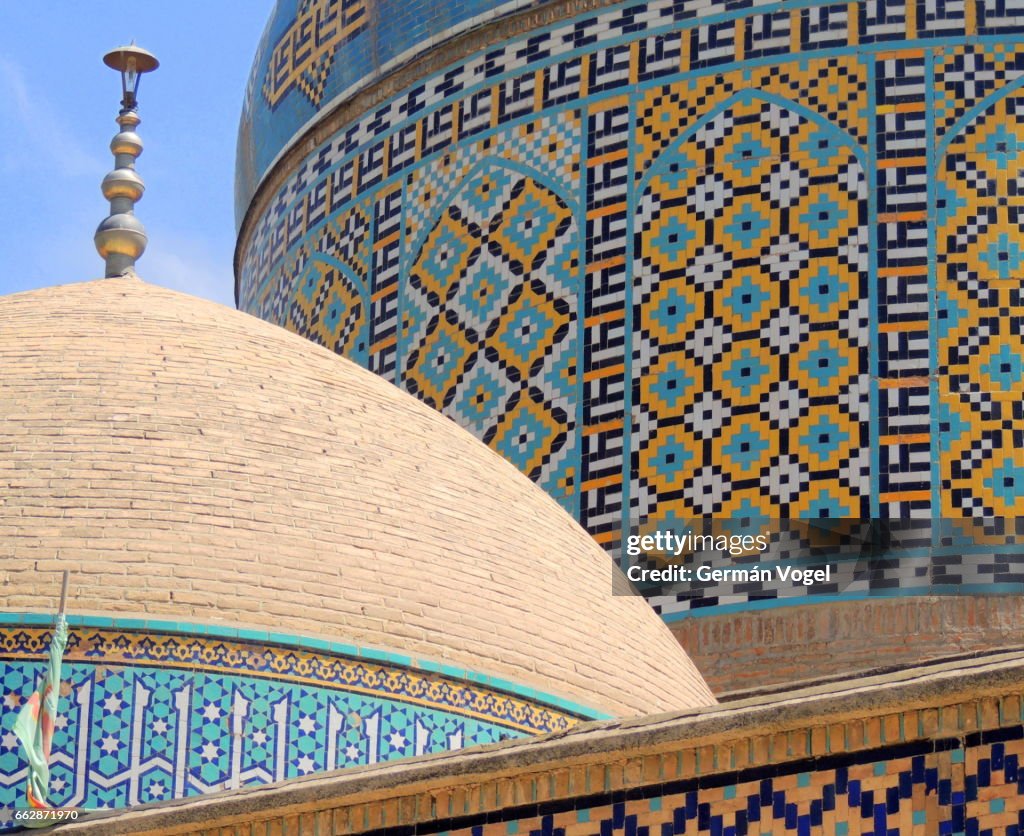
(787, 644)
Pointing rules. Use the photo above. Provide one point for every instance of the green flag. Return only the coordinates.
(35, 722)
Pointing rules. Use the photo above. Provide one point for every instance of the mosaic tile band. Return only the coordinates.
(291, 661)
(145, 716)
(926, 751)
(942, 787)
(681, 259)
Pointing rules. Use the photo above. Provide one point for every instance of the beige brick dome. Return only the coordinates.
(188, 461)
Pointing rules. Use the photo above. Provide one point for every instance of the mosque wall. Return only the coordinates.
(683, 259)
(932, 751)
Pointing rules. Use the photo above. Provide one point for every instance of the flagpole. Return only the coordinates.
(63, 594)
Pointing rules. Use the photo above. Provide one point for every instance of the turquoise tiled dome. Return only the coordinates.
(313, 51)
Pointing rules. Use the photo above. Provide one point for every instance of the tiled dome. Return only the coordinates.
(315, 54)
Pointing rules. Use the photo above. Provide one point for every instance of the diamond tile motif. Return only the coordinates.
(490, 287)
(722, 431)
(980, 263)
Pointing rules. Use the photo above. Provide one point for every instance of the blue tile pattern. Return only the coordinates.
(146, 715)
(130, 735)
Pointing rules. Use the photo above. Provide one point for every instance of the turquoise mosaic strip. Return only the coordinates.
(163, 627)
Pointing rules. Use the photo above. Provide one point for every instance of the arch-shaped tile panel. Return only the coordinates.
(330, 307)
(750, 297)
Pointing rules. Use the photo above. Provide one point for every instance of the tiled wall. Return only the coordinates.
(678, 259)
(924, 753)
(145, 716)
(952, 787)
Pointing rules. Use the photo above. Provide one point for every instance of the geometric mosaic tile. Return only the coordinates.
(746, 340)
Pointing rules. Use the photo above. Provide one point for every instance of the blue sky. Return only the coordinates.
(57, 107)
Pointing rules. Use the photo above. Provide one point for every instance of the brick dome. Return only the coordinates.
(188, 461)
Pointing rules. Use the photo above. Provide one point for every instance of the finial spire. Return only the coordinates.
(121, 238)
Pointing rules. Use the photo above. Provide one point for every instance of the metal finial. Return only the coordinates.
(121, 238)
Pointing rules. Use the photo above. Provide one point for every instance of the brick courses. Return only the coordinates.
(185, 460)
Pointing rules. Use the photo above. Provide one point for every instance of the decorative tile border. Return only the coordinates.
(194, 647)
